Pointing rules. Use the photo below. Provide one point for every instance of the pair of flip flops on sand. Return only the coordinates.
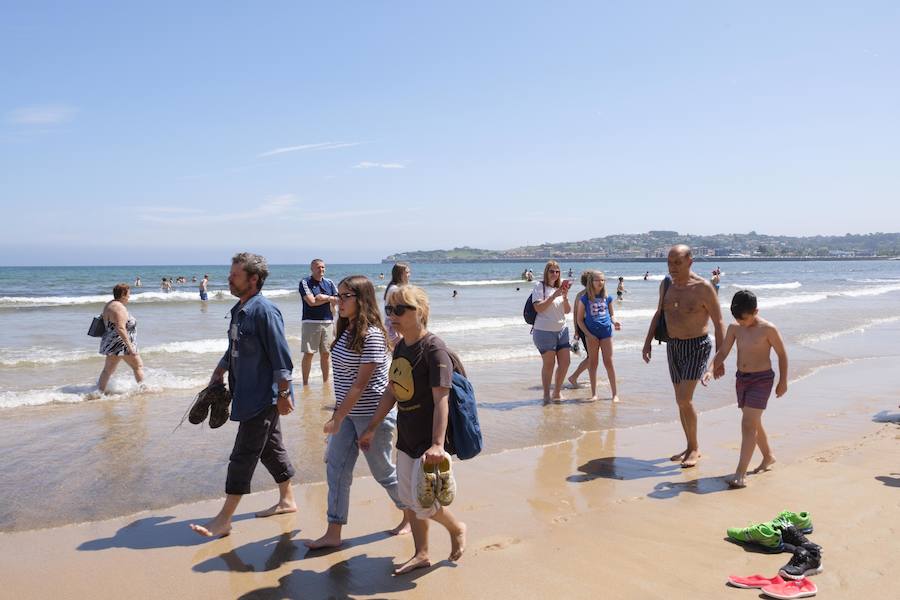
(776, 587)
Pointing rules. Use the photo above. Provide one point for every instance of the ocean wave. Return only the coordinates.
(475, 324)
(485, 282)
(136, 298)
(519, 352)
(810, 298)
(769, 286)
(157, 380)
(208, 346)
(895, 280)
(640, 278)
(861, 328)
(41, 356)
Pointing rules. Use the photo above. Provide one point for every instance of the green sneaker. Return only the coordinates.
(760, 535)
(801, 520)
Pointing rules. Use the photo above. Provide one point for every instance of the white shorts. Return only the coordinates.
(407, 471)
(316, 337)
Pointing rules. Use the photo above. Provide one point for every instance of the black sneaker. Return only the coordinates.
(793, 536)
(804, 562)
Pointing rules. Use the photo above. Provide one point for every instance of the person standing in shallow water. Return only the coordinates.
(118, 341)
(550, 334)
(360, 359)
(688, 305)
(258, 363)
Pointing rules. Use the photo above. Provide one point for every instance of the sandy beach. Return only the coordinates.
(604, 515)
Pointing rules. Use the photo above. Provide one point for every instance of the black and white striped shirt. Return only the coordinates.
(345, 365)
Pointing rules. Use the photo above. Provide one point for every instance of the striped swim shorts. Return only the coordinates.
(688, 358)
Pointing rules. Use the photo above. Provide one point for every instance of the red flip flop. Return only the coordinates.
(754, 581)
(800, 588)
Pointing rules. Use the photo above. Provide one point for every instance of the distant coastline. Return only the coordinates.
(631, 259)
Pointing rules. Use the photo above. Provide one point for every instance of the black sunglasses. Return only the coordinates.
(397, 309)
(346, 295)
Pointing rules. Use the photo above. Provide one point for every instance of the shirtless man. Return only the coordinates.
(688, 304)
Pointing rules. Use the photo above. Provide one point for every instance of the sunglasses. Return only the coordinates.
(397, 309)
(346, 295)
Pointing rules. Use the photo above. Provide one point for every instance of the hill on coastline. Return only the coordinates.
(655, 244)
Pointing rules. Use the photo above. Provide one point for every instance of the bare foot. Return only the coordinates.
(678, 457)
(765, 465)
(573, 381)
(691, 459)
(401, 529)
(593, 398)
(615, 398)
(212, 529)
(736, 482)
(416, 562)
(326, 541)
(558, 396)
(546, 399)
(458, 543)
(281, 508)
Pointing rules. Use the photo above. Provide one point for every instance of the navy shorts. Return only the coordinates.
(688, 358)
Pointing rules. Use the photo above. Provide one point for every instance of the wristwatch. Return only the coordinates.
(284, 394)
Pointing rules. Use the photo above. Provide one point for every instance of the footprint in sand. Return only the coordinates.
(500, 544)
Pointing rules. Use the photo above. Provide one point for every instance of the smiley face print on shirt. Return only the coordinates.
(401, 378)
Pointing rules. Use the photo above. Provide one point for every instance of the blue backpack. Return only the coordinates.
(463, 429)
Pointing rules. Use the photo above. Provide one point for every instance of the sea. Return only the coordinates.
(71, 454)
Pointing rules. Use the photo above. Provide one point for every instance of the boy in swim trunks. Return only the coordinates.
(755, 338)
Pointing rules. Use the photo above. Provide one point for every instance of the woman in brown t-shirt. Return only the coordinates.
(420, 376)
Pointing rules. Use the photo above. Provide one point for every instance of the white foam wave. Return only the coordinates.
(861, 328)
(156, 380)
(476, 324)
(810, 298)
(40, 356)
(640, 278)
(769, 286)
(191, 347)
(525, 351)
(136, 298)
(486, 282)
(872, 291)
(895, 280)
(765, 303)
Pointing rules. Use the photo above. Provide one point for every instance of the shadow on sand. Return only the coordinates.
(889, 481)
(357, 576)
(153, 532)
(270, 554)
(886, 417)
(624, 468)
(703, 485)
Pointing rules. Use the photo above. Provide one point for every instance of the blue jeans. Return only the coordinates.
(343, 450)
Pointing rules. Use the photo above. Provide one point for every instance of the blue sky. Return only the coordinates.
(181, 132)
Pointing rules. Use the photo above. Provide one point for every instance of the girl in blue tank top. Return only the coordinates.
(594, 315)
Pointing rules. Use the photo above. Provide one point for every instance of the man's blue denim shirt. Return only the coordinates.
(258, 357)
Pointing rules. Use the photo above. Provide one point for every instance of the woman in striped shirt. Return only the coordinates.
(359, 357)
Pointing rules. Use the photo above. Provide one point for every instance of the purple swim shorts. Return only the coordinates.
(753, 389)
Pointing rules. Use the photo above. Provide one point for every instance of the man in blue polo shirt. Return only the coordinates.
(318, 296)
(258, 363)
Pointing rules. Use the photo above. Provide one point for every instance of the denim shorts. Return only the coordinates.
(551, 341)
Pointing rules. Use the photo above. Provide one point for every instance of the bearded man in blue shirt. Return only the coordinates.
(258, 363)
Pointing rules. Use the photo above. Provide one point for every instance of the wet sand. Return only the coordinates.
(603, 515)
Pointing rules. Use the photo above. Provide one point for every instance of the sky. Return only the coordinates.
(181, 132)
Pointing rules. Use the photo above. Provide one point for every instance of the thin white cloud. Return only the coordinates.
(47, 114)
(320, 146)
(276, 207)
(169, 210)
(376, 165)
(344, 214)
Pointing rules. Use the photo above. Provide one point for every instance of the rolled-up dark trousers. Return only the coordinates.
(258, 439)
